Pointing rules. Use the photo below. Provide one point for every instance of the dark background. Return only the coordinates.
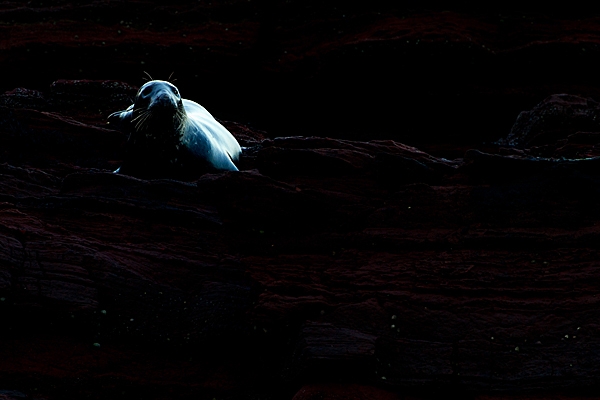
(419, 72)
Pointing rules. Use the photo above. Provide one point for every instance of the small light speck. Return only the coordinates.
(384, 378)
(2, 298)
(393, 326)
(492, 338)
(96, 344)
(131, 320)
(103, 312)
(517, 348)
(394, 317)
(578, 328)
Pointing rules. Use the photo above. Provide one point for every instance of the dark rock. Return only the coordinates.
(339, 262)
(326, 352)
(341, 391)
(11, 395)
(555, 118)
(89, 94)
(511, 167)
(24, 98)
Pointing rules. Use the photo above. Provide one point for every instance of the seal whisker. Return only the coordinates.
(148, 75)
(141, 120)
(142, 123)
(140, 115)
(181, 117)
(139, 110)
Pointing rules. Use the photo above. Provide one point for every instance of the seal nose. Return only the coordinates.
(163, 101)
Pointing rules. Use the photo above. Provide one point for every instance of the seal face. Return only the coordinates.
(169, 134)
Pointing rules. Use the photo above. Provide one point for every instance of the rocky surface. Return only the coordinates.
(415, 249)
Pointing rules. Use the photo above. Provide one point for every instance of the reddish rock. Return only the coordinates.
(330, 260)
(340, 262)
(346, 392)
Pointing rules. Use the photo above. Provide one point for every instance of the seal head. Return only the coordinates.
(169, 135)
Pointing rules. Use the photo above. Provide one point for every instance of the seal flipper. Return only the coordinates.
(121, 120)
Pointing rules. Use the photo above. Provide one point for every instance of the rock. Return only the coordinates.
(343, 260)
(325, 351)
(340, 391)
(555, 118)
(11, 395)
(89, 94)
(24, 98)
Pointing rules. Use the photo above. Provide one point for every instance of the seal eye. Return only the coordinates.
(146, 91)
(176, 92)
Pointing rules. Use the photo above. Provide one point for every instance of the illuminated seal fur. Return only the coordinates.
(169, 134)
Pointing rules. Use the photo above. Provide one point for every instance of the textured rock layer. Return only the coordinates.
(340, 262)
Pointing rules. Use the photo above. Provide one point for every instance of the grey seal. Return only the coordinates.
(172, 135)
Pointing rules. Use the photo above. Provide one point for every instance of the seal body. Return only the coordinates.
(169, 135)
